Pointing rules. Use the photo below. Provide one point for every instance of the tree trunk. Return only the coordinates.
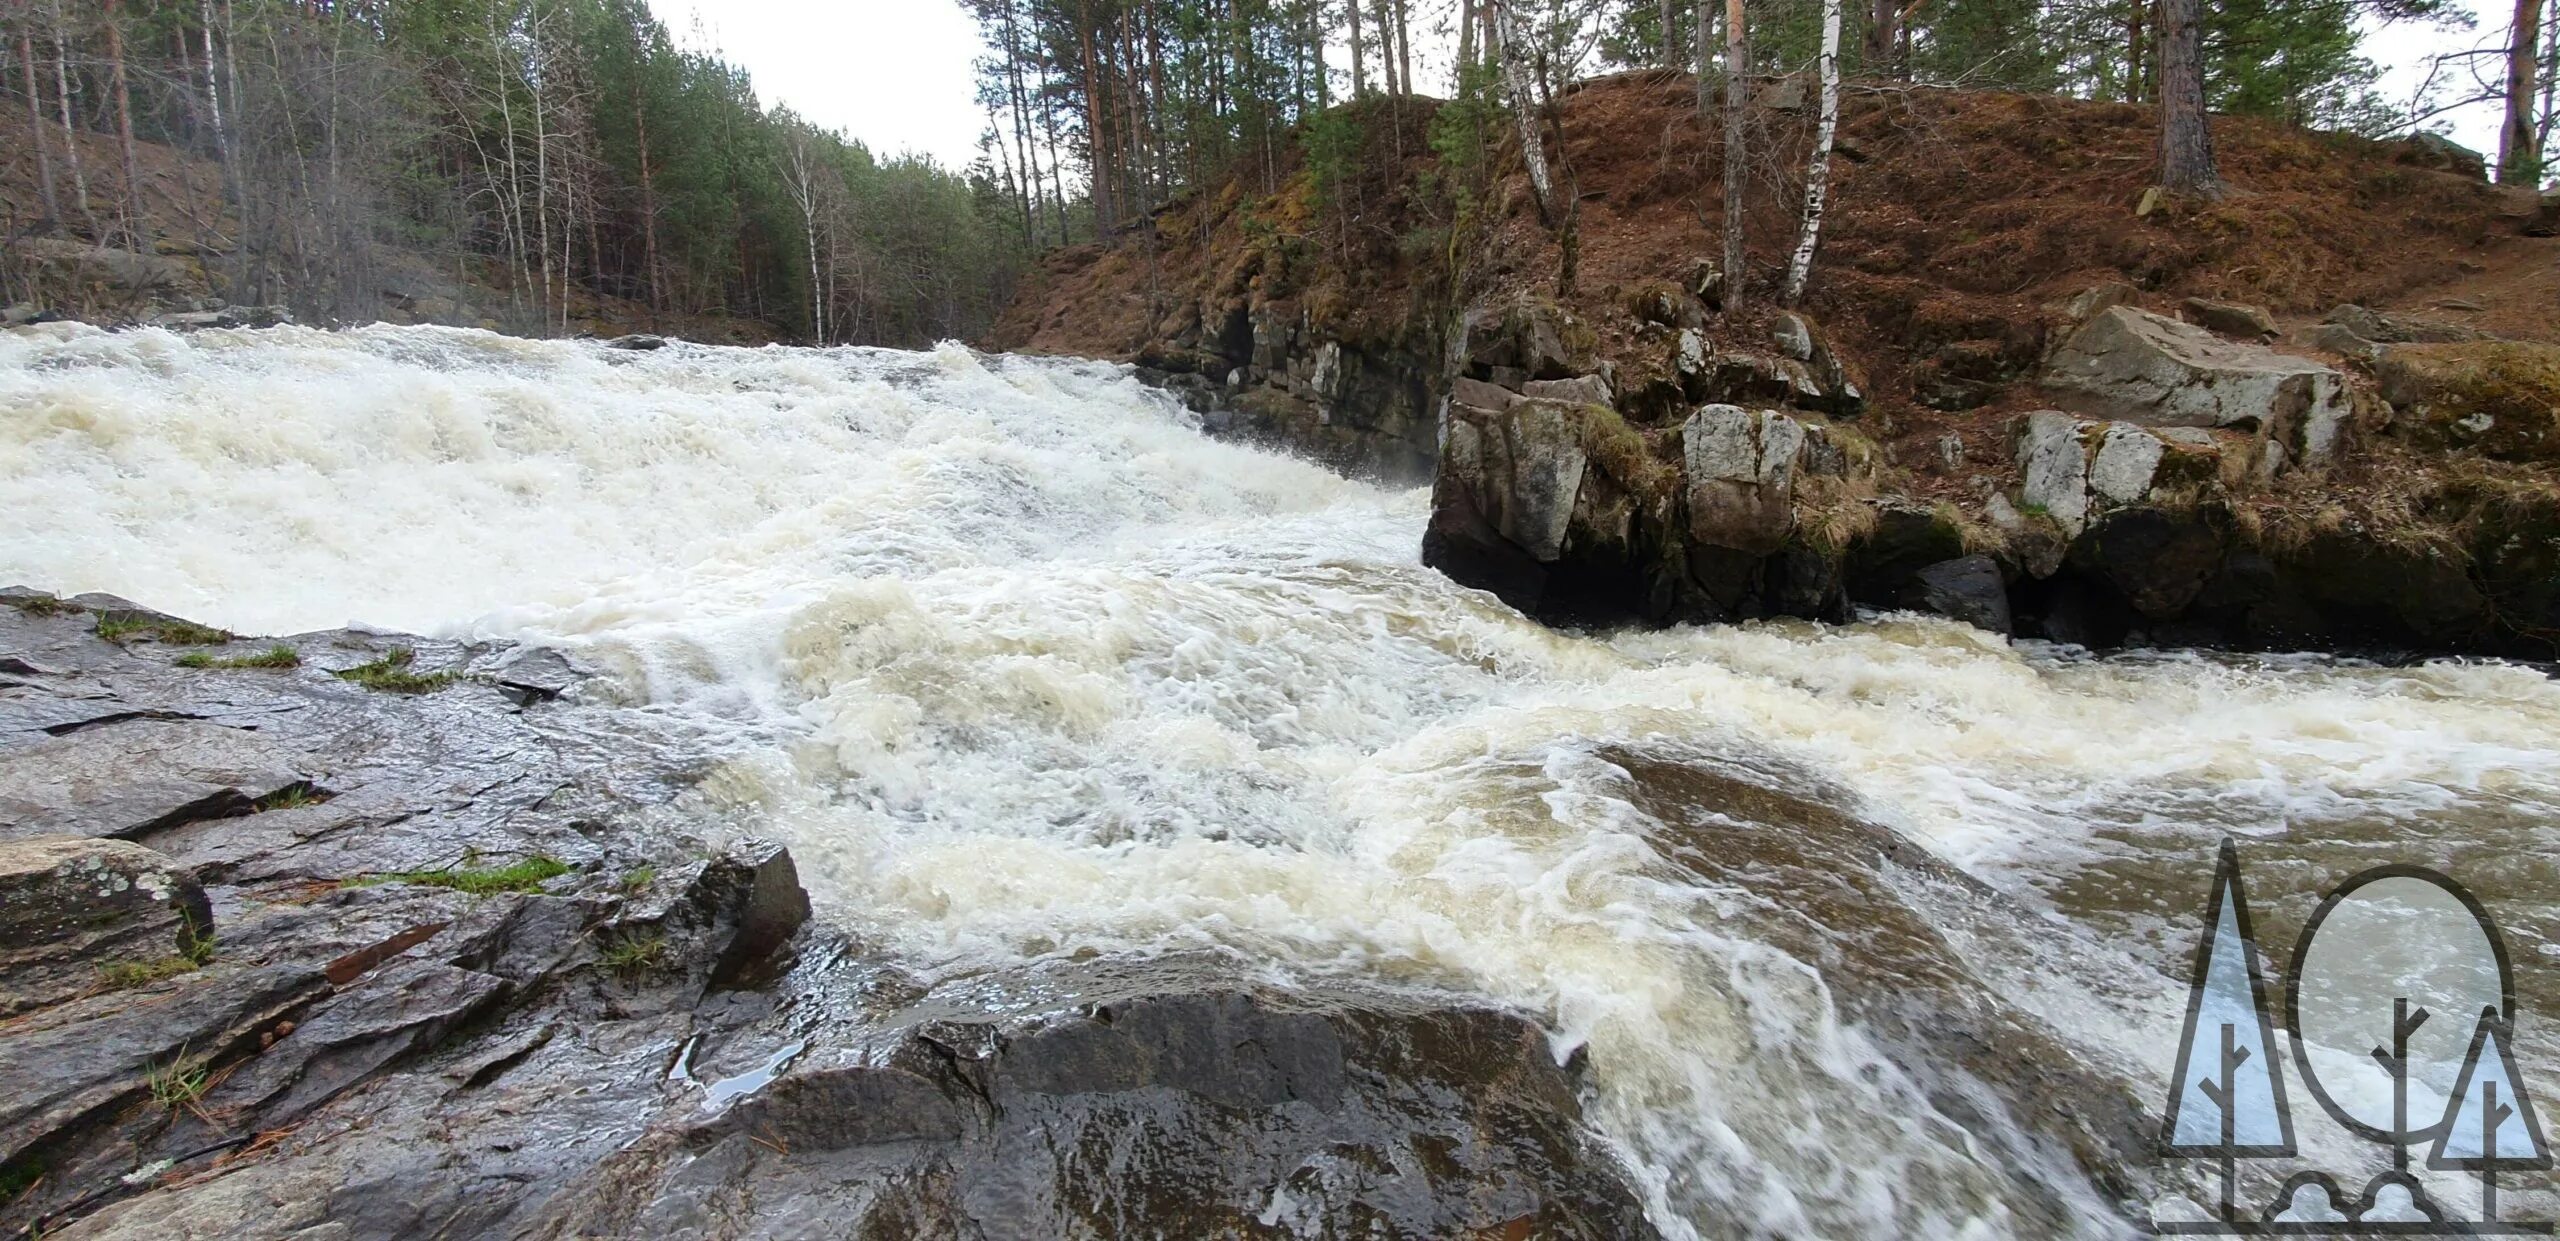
(1359, 59)
(35, 131)
(1706, 56)
(2135, 54)
(71, 135)
(1524, 107)
(2186, 146)
(1737, 91)
(1466, 39)
(1817, 173)
(1670, 33)
(2519, 139)
(1404, 51)
(1097, 135)
(137, 227)
(1884, 34)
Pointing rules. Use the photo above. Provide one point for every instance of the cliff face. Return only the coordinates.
(2318, 413)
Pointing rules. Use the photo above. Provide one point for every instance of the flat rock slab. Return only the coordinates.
(2155, 371)
(131, 778)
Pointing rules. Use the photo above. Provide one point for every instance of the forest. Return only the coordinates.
(563, 151)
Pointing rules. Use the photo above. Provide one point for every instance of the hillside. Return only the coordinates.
(1964, 227)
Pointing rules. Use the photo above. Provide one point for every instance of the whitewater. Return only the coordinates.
(1021, 664)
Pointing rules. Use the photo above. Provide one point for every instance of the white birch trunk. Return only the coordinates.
(1817, 174)
(1524, 107)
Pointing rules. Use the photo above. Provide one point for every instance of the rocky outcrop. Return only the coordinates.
(287, 946)
(2144, 368)
(1142, 1099)
(2500, 398)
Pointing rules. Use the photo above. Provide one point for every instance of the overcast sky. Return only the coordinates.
(896, 73)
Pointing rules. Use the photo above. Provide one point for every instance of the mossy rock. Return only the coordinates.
(2499, 397)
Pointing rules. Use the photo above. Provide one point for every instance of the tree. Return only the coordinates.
(51, 202)
(1737, 89)
(136, 226)
(2186, 146)
(2226, 1095)
(1817, 173)
(2489, 1124)
(2519, 140)
(1524, 106)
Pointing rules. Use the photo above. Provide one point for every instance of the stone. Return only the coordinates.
(2088, 303)
(1689, 355)
(1478, 394)
(2545, 220)
(2126, 460)
(2397, 329)
(1579, 390)
(131, 778)
(1741, 477)
(2339, 339)
(637, 342)
(17, 313)
(2230, 318)
(1793, 335)
(2501, 398)
(1228, 1111)
(2156, 371)
(1529, 462)
(1968, 589)
(72, 904)
(2434, 150)
(2054, 469)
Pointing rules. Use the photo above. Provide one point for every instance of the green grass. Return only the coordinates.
(119, 626)
(278, 656)
(42, 605)
(525, 876)
(638, 880)
(18, 1178)
(180, 1083)
(390, 674)
(633, 954)
(293, 797)
(120, 975)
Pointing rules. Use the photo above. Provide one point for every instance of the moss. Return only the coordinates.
(42, 605)
(390, 674)
(19, 1176)
(526, 876)
(278, 656)
(637, 880)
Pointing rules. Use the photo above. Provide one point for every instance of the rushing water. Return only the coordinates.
(1019, 663)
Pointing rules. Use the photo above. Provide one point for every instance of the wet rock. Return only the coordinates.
(1969, 589)
(1250, 1112)
(1906, 538)
(734, 914)
(71, 905)
(2230, 318)
(2155, 371)
(132, 778)
(535, 674)
(2501, 398)
(342, 1041)
(1741, 477)
(637, 342)
(1520, 469)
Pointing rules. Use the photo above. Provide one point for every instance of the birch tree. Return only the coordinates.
(1817, 173)
(1524, 105)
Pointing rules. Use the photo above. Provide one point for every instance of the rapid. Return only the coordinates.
(1021, 664)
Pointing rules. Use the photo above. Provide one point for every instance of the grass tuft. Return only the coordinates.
(277, 656)
(638, 880)
(294, 797)
(42, 605)
(526, 876)
(121, 975)
(120, 626)
(633, 954)
(390, 674)
(180, 1083)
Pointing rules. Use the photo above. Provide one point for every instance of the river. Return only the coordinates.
(1019, 663)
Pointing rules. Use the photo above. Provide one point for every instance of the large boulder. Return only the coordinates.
(1741, 475)
(2155, 371)
(73, 910)
(2071, 469)
(2499, 397)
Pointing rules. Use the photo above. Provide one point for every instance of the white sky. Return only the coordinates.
(897, 73)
